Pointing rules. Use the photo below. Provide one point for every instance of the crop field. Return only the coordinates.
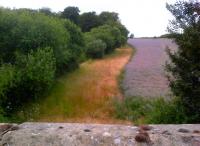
(144, 74)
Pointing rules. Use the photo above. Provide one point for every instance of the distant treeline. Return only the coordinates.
(37, 46)
(168, 35)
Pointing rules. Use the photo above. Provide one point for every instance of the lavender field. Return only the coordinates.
(145, 74)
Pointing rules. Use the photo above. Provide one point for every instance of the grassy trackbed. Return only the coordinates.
(87, 94)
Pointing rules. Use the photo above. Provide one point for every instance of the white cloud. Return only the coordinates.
(142, 17)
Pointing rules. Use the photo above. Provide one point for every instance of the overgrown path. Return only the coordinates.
(87, 94)
(144, 74)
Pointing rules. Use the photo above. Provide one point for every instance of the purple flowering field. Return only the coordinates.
(144, 74)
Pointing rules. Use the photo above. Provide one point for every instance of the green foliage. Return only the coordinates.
(112, 19)
(121, 27)
(33, 75)
(168, 36)
(7, 78)
(47, 11)
(36, 46)
(109, 34)
(32, 30)
(106, 17)
(157, 111)
(71, 13)
(185, 66)
(89, 20)
(131, 108)
(166, 112)
(104, 33)
(76, 43)
(96, 49)
(38, 66)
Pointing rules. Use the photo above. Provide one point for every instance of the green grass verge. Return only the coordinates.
(151, 111)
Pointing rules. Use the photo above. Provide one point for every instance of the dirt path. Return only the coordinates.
(144, 74)
(87, 94)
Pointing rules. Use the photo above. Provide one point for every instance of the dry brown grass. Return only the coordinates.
(87, 94)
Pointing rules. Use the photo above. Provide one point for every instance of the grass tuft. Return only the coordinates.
(151, 111)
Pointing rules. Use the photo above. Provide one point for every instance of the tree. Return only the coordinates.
(185, 63)
(71, 13)
(106, 17)
(46, 11)
(88, 21)
(131, 35)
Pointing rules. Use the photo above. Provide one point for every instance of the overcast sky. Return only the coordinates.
(141, 17)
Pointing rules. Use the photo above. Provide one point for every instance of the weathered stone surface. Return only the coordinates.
(67, 134)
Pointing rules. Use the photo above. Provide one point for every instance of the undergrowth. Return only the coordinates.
(151, 111)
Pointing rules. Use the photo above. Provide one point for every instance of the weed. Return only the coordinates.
(157, 111)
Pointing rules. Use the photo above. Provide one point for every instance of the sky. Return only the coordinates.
(143, 18)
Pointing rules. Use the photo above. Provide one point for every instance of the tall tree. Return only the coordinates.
(71, 13)
(88, 21)
(46, 11)
(185, 66)
(106, 17)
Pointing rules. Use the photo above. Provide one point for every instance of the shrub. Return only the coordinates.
(123, 31)
(103, 33)
(39, 67)
(131, 108)
(166, 112)
(96, 48)
(34, 73)
(110, 35)
(7, 78)
(76, 43)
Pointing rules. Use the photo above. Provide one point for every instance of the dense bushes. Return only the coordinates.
(76, 43)
(96, 48)
(30, 77)
(24, 31)
(7, 78)
(108, 34)
(34, 49)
